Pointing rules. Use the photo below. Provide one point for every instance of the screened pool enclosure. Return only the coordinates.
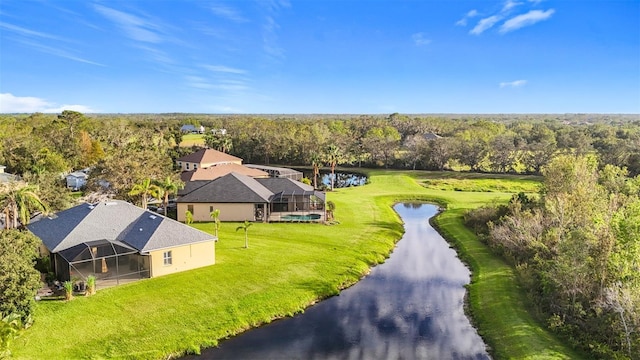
(112, 262)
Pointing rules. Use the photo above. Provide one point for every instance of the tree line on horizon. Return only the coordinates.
(126, 149)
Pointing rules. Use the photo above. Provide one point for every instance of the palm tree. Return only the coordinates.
(245, 227)
(18, 200)
(334, 155)
(316, 162)
(145, 189)
(331, 207)
(168, 187)
(215, 215)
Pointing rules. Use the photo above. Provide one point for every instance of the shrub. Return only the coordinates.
(68, 290)
(91, 285)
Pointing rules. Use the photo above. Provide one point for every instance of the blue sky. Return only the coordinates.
(513, 56)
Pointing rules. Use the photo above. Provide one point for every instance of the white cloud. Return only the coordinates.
(14, 104)
(133, 26)
(156, 55)
(420, 40)
(509, 4)
(527, 19)
(513, 84)
(198, 82)
(485, 24)
(26, 32)
(224, 69)
(28, 104)
(228, 13)
(33, 39)
(57, 51)
(467, 16)
(270, 27)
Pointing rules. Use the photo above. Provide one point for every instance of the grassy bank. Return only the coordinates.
(497, 304)
(286, 268)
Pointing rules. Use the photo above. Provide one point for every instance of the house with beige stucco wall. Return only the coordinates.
(118, 242)
(240, 197)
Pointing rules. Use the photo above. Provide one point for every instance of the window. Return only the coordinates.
(187, 166)
(167, 257)
(195, 166)
(190, 209)
(210, 209)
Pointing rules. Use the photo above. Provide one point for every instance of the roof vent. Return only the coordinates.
(152, 217)
(111, 203)
(91, 207)
(140, 229)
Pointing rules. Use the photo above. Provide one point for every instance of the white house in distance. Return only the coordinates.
(192, 129)
(77, 179)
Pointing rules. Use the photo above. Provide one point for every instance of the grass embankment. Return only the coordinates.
(286, 268)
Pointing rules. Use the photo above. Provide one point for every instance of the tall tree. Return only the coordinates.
(168, 186)
(333, 157)
(18, 200)
(316, 162)
(220, 142)
(146, 189)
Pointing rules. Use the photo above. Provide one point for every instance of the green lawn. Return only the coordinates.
(286, 268)
(192, 139)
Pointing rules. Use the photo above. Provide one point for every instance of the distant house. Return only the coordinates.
(77, 179)
(205, 158)
(240, 197)
(118, 242)
(219, 131)
(192, 129)
(6, 177)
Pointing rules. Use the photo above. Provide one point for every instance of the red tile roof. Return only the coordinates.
(209, 156)
(220, 170)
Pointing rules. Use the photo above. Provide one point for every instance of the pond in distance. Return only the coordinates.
(342, 178)
(410, 307)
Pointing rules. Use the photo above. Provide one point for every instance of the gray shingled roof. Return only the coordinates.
(231, 188)
(114, 220)
(285, 186)
(277, 185)
(189, 186)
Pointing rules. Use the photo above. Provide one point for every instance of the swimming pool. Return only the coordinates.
(294, 217)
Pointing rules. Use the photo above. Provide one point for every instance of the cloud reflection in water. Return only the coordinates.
(410, 307)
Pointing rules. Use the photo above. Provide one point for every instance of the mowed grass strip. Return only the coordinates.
(286, 268)
(497, 303)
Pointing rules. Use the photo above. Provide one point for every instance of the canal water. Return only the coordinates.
(410, 307)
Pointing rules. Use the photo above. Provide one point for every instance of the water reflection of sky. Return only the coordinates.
(410, 307)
